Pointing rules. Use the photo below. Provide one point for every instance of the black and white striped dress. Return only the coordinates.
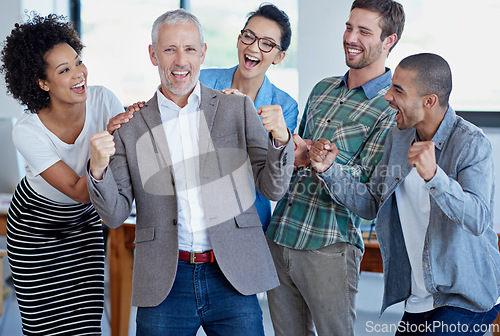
(56, 255)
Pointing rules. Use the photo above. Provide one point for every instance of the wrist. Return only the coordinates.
(97, 173)
(282, 140)
(302, 163)
(431, 176)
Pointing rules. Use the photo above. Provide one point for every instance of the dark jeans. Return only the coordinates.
(447, 321)
(201, 296)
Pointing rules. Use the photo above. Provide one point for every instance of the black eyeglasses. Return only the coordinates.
(264, 44)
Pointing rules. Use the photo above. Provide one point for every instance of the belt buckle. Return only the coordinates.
(192, 258)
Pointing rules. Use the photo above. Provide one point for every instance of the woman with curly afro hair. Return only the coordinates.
(54, 235)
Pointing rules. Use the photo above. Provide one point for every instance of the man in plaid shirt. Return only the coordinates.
(316, 244)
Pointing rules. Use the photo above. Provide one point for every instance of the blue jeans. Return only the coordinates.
(201, 296)
(447, 321)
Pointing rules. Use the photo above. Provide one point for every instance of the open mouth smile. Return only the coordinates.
(79, 88)
(180, 73)
(251, 61)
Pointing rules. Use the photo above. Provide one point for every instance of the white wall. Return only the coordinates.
(320, 55)
(9, 14)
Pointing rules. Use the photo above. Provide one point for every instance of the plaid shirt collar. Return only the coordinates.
(372, 87)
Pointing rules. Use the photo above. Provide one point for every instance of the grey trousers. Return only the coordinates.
(315, 285)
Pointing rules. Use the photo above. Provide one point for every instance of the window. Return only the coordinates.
(116, 35)
(59, 7)
(465, 35)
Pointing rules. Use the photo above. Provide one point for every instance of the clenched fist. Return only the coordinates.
(274, 123)
(323, 154)
(422, 156)
(102, 147)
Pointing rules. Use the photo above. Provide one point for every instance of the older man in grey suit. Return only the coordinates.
(190, 159)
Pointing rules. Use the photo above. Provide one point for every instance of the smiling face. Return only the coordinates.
(66, 75)
(362, 44)
(253, 63)
(403, 96)
(178, 56)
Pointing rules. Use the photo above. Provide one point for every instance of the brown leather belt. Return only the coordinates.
(197, 258)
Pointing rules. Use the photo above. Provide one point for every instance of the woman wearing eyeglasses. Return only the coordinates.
(262, 42)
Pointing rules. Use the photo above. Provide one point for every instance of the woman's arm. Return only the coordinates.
(67, 181)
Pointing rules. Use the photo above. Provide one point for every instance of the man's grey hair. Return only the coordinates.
(174, 17)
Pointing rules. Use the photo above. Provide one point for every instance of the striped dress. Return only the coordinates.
(56, 255)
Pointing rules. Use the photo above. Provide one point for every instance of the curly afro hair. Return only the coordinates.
(24, 52)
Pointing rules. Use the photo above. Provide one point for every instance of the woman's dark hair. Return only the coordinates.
(24, 52)
(273, 13)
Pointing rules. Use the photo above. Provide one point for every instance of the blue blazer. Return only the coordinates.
(269, 94)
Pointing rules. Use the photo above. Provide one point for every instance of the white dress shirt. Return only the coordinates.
(181, 127)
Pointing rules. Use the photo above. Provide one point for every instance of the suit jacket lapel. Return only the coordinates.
(151, 115)
(208, 109)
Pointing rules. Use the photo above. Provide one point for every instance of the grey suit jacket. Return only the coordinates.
(234, 148)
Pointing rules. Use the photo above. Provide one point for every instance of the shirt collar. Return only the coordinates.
(227, 76)
(372, 87)
(265, 94)
(445, 128)
(194, 99)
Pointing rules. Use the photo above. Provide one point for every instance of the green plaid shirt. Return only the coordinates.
(357, 121)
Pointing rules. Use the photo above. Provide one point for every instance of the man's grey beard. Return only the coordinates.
(169, 85)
